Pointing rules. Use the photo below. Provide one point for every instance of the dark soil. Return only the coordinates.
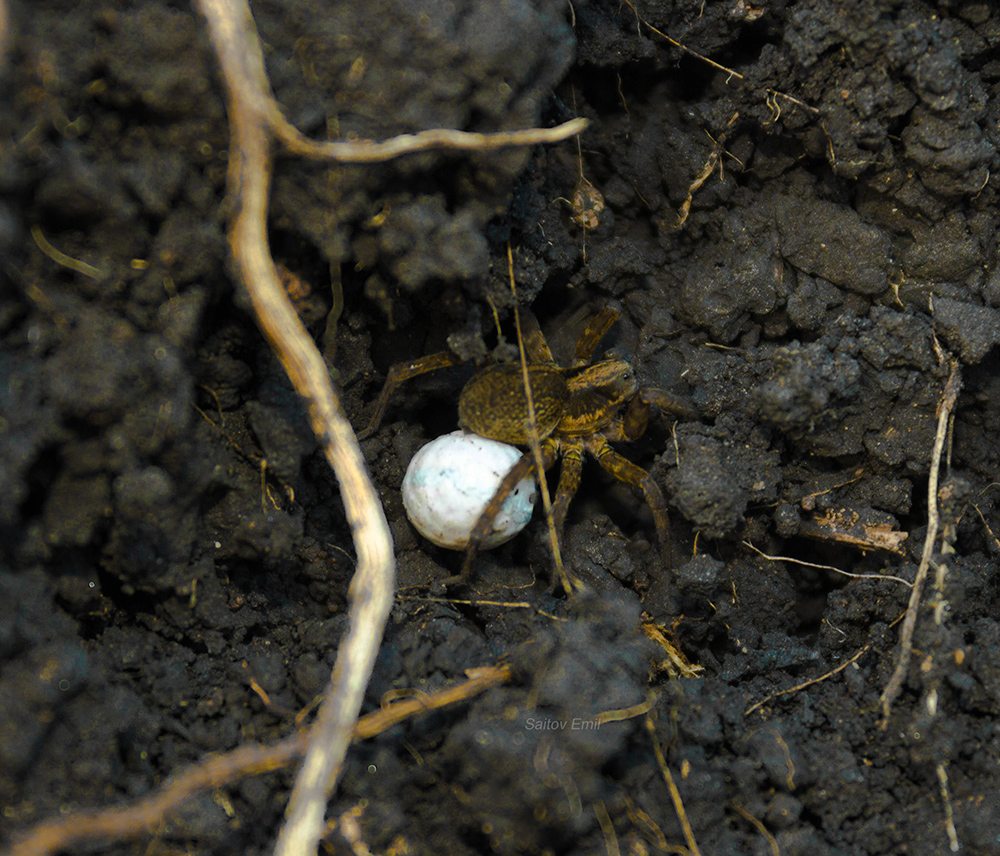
(173, 546)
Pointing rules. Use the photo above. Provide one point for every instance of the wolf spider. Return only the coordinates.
(582, 407)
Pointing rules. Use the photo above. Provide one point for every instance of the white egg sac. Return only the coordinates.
(452, 479)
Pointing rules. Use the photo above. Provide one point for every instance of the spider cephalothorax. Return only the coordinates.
(582, 407)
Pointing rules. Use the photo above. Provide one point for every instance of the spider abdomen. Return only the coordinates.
(493, 403)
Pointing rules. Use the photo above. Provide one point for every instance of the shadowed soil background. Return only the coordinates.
(799, 233)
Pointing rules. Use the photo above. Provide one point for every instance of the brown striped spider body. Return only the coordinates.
(579, 409)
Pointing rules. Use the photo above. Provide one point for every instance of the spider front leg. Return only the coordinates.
(399, 374)
(637, 478)
(640, 408)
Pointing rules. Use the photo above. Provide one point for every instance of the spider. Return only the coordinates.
(579, 408)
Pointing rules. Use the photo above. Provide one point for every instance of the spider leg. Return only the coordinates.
(667, 402)
(570, 470)
(524, 467)
(592, 335)
(399, 374)
(636, 418)
(569, 482)
(535, 346)
(635, 476)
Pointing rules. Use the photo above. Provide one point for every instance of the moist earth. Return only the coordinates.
(791, 204)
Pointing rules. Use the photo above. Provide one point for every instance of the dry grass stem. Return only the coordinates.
(611, 846)
(757, 824)
(830, 568)
(808, 683)
(675, 794)
(4, 29)
(949, 817)
(569, 582)
(945, 407)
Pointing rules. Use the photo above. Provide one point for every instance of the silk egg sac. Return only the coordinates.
(452, 479)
